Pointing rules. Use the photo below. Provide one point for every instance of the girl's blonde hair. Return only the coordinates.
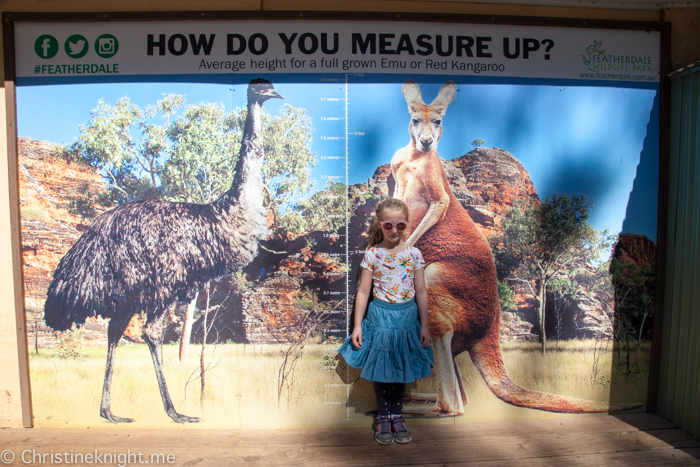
(374, 232)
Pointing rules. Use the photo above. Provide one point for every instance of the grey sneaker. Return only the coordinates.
(401, 433)
(383, 433)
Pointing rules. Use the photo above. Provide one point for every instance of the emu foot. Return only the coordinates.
(179, 418)
(420, 397)
(428, 412)
(107, 413)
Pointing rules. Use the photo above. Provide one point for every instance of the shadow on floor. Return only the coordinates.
(665, 431)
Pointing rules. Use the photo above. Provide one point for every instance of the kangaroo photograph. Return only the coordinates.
(465, 313)
(194, 247)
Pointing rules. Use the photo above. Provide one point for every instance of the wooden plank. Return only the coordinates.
(537, 428)
(633, 459)
(676, 438)
(627, 459)
(645, 421)
(351, 436)
(16, 239)
(425, 449)
(576, 441)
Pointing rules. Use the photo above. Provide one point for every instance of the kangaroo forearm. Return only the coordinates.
(435, 213)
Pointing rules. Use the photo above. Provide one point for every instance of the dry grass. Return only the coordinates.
(242, 386)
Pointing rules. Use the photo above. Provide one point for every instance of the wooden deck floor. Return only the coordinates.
(631, 440)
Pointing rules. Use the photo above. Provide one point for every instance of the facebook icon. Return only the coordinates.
(46, 46)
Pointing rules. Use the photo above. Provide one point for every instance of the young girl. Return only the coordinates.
(392, 344)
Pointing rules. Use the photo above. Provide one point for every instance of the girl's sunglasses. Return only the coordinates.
(388, 226)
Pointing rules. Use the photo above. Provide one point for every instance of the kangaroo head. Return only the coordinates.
(425, 127)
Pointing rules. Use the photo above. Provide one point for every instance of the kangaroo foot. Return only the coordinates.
(107, 413)
(420, 397)
(428, 412)
(179, 418)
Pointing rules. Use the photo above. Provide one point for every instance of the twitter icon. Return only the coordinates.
(76, 46)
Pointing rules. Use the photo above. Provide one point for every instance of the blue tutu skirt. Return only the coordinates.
(391, 350)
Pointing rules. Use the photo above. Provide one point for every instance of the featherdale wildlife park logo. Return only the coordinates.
(76, 46)
(598, 60)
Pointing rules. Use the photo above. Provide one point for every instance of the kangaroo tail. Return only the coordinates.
(487, 358)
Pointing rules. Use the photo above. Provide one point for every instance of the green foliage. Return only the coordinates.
(169, 151)
(35, 213)
(288, 156)
(82, 201)
(71, 345)
(542, 241)
(240, 281)
(331, 360)
(506, 297)
(477, 143)
(634, 299)
(325, 210)
(205, 145)
(304, 304)
(563, 292)
(106, 143)
(310, 242)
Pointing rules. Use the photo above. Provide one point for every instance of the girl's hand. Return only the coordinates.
(357, 337)
(424, 336)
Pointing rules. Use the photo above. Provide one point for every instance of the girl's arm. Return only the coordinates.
(422, 301)
(361, 300)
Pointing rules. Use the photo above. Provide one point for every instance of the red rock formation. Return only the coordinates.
(635, 249)
(495, 179)
(47, 183)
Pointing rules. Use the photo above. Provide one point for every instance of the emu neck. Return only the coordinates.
(247, 188)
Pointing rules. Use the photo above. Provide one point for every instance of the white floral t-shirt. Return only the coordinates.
(393, 273)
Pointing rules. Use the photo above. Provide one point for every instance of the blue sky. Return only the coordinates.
(575, 140)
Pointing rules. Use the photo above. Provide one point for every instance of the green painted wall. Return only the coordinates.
(679, 384)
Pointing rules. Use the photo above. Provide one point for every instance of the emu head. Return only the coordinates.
(260, 90)
(425, 127)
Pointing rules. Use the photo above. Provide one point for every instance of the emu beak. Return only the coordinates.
(275, 94)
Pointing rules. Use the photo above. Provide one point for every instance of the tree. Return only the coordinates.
(324, 210)
(192, 158)
(542, 241)
(130, 167)
(506, 297)
(563, 292)
(288, 157)
(205, 144)
(633, 289)
(634, 293)
(477, 143)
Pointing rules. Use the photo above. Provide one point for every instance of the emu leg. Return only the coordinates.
(115, 331)
(153, 335)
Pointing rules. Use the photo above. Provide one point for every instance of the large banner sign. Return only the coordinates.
(196, 196)
(60, 53)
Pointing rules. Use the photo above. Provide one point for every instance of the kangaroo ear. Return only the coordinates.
(411, 92)
(445, 96)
